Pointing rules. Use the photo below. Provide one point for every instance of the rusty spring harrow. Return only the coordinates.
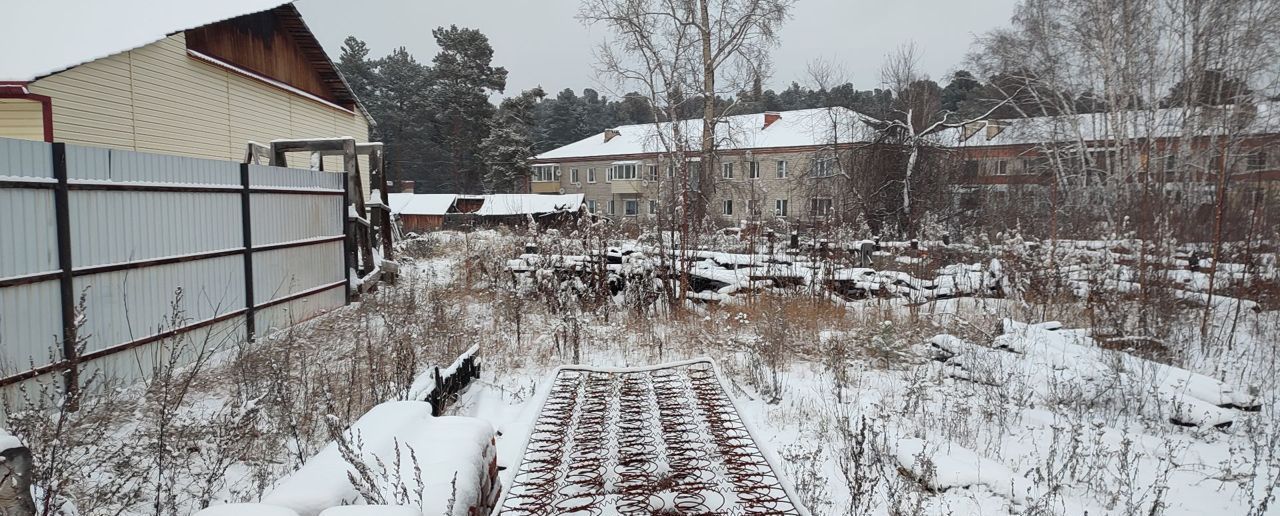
(664, 440)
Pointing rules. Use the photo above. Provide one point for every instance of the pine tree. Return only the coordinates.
(356, 68)
(509, 147)
(462, 78)
(397, 102)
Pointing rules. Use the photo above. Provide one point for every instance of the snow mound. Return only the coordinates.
(372, 510)
(9, 441)
(432, 452)
(951, 466)
(1060, 365)
(247, 509)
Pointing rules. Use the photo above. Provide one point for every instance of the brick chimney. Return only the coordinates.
(406, 186)
(610, 134)
(770, 117)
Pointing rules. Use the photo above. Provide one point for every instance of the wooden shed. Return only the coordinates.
(420, 212)
(197, 79)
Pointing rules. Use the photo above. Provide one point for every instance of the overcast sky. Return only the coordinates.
(540, 42)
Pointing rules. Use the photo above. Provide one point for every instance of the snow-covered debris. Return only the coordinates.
(247, 509)
(372, 510)
(445, 448)
(9, 441)
(947, 466)
(1058, 365)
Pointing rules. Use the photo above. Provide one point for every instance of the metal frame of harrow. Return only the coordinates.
(665, 439)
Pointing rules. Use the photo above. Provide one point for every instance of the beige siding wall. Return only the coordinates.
(22, 119)
(158, 99)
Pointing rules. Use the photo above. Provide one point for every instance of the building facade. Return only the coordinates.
(776, 167)
(199, 89)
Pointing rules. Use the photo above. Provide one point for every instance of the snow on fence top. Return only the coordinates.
(799, 128)
(79, 32)
(669, 438)
(420, 204)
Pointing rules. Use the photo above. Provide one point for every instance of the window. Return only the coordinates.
(753, 170)
(825, 167)
(781, 169)
(820, 207)
(591, 176)
(1002, 168)
(573, 176)
(671, 171)
(780, 207)
(1256, 161)
(727, 207)
(653, 207)
(591, 205)
(631, 207)
(1171, 163)
(613, 207)
(753, 207)
(545, 174)
(653, 172)
(622, 172)
(726, 170)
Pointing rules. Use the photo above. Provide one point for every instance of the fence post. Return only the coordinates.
(247, 228)
(66, 291)
(348, 229)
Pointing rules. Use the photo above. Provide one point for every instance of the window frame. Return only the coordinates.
(574, 177)
(726, 207)
(825, 202)
(753, 169)
(630, 207)
(726, 170)
(781, 208)
(591, 175)
(780, 169)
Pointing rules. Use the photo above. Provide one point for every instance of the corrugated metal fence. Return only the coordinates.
(152, 246)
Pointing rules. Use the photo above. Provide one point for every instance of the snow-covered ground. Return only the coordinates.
(888, 404)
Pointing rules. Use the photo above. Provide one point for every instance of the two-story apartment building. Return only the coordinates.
(775, 166)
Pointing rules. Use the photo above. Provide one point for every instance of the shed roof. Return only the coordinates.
(420, 204)
(528, 204)
(799, 128)
(53, 35)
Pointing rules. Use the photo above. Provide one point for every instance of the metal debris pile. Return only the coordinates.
(664, 440)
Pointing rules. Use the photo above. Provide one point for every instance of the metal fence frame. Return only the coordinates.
(272, 240)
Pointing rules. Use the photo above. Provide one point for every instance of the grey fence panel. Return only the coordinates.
(110, 227)
(25, 218)
(128, 305)
(288, 218)
(158, 255)
(282, 315)
(30, 327)
(282, 272)
(25, 159)
(294, 178)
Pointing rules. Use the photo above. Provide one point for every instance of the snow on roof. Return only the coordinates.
(523, 204)
(1093, 127)
(420, 204)
(58, 34)
(799, 128)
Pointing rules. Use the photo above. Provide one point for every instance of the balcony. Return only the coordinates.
(544, 187)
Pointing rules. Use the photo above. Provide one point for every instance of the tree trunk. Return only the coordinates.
(707, 169)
